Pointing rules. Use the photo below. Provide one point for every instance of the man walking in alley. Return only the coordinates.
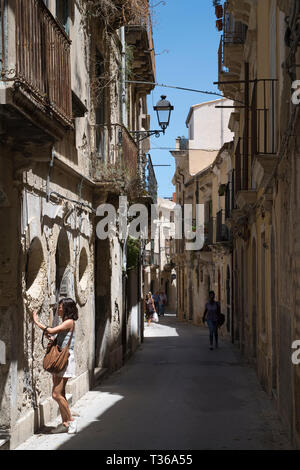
(212, 311)
(156, 302)
(162, 303)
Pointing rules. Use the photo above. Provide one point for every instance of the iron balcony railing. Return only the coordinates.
(234, 32)
(36, 56)
(114, 152)
(142, 18)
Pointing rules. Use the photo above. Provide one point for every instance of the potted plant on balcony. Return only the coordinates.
(219, 25)
(219, 11)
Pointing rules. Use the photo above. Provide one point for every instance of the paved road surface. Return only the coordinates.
(175, 393)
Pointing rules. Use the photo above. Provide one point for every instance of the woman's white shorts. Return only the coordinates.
(69, 371)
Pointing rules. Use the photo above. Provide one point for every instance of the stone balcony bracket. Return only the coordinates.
(262, 169)
(206, 190)
(240, 9)
(234, 121)
(246, 199)
(233, 57)
(229, 89)
(221, 249)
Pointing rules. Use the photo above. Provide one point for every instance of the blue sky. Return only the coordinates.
(187, 29)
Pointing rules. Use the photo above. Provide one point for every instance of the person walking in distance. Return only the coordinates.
(156, 301)
(68, 312)
(212, 310)
(150, 307)
(162, 303)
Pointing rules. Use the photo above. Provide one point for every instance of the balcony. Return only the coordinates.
(114, 158)
(241, 9)
(35, 80)
(225, 75)
(139, 36)
(231, 51)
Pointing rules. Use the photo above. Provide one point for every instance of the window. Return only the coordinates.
(62, 13)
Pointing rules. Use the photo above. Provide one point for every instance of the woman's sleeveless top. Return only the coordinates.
(150, 305)
(212, 311)
(63, 338)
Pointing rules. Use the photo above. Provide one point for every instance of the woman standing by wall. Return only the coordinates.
(67, 310)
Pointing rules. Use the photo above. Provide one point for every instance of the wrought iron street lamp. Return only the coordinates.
(163, 109)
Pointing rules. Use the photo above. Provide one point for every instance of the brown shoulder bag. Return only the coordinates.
(56, 358)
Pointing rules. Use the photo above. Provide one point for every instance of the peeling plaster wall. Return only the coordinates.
(32, 228)
(45, 221)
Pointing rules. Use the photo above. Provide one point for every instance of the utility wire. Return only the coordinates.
(185, 89)
(176, 87)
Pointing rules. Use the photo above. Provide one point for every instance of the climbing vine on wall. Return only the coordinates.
(133, 253)
(116, 13)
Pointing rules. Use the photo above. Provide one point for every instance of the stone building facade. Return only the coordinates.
(66, 146)
(203, 166)
(159, 271)
(258, 58)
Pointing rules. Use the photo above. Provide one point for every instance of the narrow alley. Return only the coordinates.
(174, 393)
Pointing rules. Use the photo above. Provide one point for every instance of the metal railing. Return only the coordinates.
(234, 32)
(113, 148)
(263, 132)
(143, 18)
(42, 55)
(130, 154)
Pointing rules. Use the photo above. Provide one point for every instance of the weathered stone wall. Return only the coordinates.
(48, 227)
(11, 329)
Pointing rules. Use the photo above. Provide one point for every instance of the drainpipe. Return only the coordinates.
(232, 278)
(49, 175)
(123, 78)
